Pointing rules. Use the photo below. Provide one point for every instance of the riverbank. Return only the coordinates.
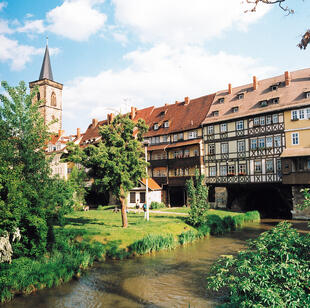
(95, 235)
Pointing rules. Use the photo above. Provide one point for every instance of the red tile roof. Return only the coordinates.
(289, 97)
(152, 184)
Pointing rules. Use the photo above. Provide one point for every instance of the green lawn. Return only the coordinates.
(105, 226)
(221, 213)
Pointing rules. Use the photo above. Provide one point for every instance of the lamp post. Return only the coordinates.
(146, 143)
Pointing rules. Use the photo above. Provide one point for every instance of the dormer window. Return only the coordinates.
(263, 103)
(307, 94)
(275, 100)
(215, 113)
(275, 86)
(156, 126)
(234, 109)
(240, 95)
(166, 124)
(162, 113)
(221, 100)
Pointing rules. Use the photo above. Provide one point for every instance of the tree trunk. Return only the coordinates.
(124, 207)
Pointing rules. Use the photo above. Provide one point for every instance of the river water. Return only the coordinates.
(166, 279)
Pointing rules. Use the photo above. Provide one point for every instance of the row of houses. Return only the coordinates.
(252, 142)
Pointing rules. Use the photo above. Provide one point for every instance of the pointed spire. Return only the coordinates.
(46, 69)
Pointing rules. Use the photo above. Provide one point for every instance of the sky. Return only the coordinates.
(114, 54)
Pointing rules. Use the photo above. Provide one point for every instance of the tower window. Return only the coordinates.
(38, 96)
(53, 99)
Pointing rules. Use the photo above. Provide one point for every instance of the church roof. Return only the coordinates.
(46, 69)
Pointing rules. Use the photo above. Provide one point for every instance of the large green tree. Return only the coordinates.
(117, 162)
(29, 198)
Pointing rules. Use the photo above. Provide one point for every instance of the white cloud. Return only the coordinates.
(4, 27)
(156, 76)
(18, 55)
(35, 26)
(183, 21)
(76, 19)
(28, 15)
(120, 37)
(2, 5)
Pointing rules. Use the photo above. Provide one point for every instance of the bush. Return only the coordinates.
(216, 225)
(272, 272)
(152, 243)
(187, 237)
(229, 224)
(157, 205)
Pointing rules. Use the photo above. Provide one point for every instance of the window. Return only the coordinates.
(165, 138)
(196, 152)
(224, 148)
(308, 164)
(153, 140)
(223, 170)
(262, 120)
(240, 95)
(223, 127)
(269, 165)
(186, 171)
(38, 96)
(132, 197)
(277, 141)
(253, 144)
(261, 143)
(274, 87)
(301, 114)
(212, 171)
(294, 115)
(263, 103)
(239, 125)
(193, 134)
(221, 100)
(186, 153)
(308, 112)
(178, 154)
(157, 139)
(180, 137)
(258, 166)
(156, 126)
(268, 142)
(241, 146)
(242, 169)
(275, 100)
(215, 113)
(175, 137)
(234, 109)
(307, 94)
(142, 197)
(279, 165)
(210, 130)
(53, 99)
(268, 119)
(231, 170)
(275, 118)
(295, 138)
(256, 121)
(166, 124)
(211, 149)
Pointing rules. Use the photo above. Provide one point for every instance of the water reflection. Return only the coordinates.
(166, 279)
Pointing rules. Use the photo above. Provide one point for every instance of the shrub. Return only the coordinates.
(272, 272)
(229, 223)
(216, 225)
(187, 237)
(152, 243)
(157, 205)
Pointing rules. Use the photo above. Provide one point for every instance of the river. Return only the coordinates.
(166, 279)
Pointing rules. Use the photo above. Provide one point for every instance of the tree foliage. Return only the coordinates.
(29, 198)
(116, 163)
(197, 194)
(281, 3)
(272, 272)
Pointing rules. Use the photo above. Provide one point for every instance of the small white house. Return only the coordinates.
(138, 194)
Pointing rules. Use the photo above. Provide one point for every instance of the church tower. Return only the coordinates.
(50, 93)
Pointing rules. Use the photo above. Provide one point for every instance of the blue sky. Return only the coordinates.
(113, 54)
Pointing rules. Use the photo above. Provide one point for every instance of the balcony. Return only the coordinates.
(184, 162)
(162, 180)
(295, 178)
(158, 162)
(178, 180)
(243, 179)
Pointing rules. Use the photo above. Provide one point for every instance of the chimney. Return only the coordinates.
(186, 100)
(255, 83)
(176, 102)
(110, 118)
(287, 76)
(133, 112)
(60, 132)
(78, 133)
(166, 104)
(229, 88)
(94, 123)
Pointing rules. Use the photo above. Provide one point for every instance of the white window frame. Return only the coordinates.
(269, 142)
(262, 121)
(231, 169)
(211, 148)
(223, 127)
(275, 118)
(210, 130)
(240, 125)
(193, 134)
(212, 171)
(166, 124)
(295, 138)
(258, 166)
(242, 168)
(223, 170)
(294, 115)
(241, 146)
(156, 126)
(252, 142)
(268, 119)
(256, 121)
(277, 141)
(269, 165)
(224, 148)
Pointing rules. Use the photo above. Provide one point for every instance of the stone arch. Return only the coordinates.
(53, 99)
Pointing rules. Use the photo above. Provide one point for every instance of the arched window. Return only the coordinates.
(53, 99)
(38, 96)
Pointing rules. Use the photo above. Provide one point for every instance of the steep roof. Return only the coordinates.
(181, 116)
(92, 131)
(46, 69)
(290, 96)
(152, 184)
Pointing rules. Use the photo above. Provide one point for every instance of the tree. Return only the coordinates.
(305, 38)
(116, 163)
(197, 193)
(29, 198)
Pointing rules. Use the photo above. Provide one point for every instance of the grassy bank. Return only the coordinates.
(95, 235)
